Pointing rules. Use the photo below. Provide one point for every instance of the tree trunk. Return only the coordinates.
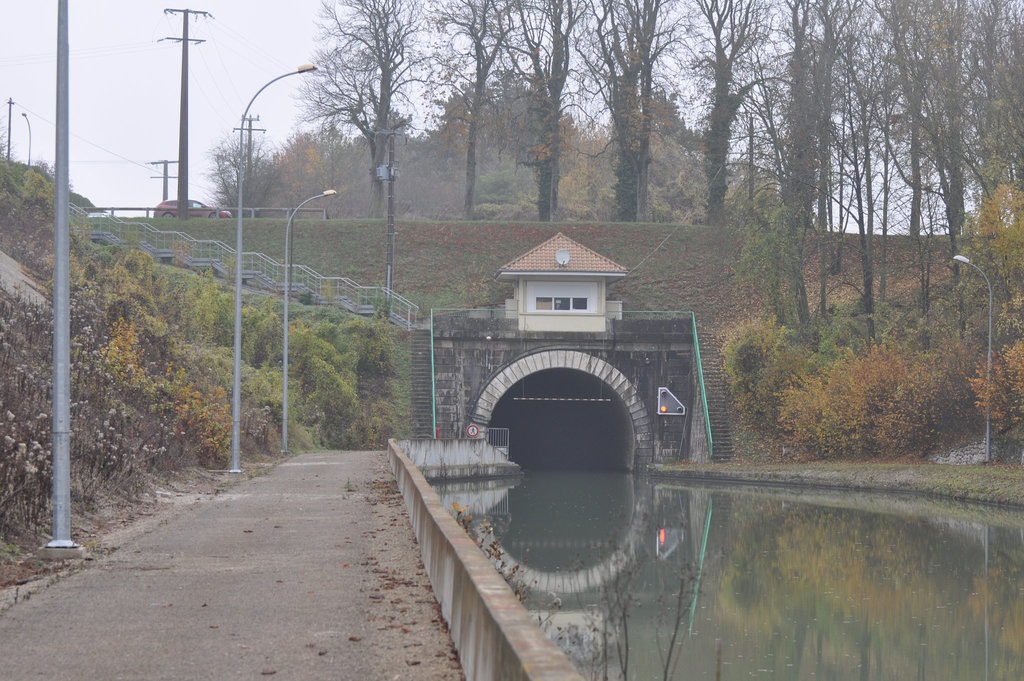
(716, 146)
(915, 176)
(867, 252)
(469, 202)
(556, 162)
(643, 208)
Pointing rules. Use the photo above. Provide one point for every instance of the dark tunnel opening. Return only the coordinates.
(563, 419)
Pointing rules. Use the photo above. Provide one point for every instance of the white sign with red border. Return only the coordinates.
(473, 430)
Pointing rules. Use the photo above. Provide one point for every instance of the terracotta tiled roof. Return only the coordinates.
(581, 259)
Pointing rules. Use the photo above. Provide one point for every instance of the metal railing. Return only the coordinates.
(703, 390)
(258, 269)
(498, 438)
(252, 212)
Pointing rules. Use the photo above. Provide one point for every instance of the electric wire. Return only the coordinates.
(656, 249)
(123, 159)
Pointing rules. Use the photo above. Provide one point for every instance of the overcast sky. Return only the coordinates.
(125, 85)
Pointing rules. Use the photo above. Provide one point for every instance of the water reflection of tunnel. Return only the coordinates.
(564, 419)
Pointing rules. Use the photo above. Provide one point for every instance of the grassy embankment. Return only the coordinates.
(453, 265)
(1002, 485)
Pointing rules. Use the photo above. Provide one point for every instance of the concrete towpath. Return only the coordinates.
(309, 572)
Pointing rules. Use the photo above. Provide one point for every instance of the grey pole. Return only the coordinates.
(29, 124)
(61, 530)
(988, 368)
(10, 107)
(236, 383)
(391, 216)
(183, 207)
(287, 295)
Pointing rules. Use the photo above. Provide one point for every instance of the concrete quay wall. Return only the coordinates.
(458, 459)
(496, 638)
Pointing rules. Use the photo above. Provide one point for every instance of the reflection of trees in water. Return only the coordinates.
(804, 590)
(901, 595)
(634, 591)
(600, 638)
(632, 624)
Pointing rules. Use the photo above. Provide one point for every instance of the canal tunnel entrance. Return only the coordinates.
(565, 419)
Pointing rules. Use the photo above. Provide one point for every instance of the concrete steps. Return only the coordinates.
(421, 400)
(716, 386)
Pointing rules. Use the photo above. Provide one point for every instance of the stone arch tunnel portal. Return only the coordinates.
(566, 419)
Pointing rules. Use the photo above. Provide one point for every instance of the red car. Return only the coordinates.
(169, 209)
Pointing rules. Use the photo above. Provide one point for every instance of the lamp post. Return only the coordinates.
(236, 383)
(988, 368)
(61, 543)
(29, 124)
(287, 295)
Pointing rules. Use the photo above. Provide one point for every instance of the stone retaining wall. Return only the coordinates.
(496, 638)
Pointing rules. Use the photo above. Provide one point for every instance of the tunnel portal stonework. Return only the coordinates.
(477, 358)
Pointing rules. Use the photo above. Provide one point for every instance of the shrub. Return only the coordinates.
(326, 398)
(262, 334)
(762, 364)
(208, 312)
(373, 344)
(203, 417)
(887, 403)
(1004, 394)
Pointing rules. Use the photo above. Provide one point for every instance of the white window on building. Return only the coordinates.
(568, 297)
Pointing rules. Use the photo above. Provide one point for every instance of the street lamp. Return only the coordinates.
(287, 295)
(988, 369)
(236, 384)
(27, 122)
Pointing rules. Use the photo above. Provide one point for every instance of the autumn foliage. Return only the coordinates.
(202, 417)
(887, 402)
(1004, 393)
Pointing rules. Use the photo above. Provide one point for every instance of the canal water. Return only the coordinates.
(639, 579)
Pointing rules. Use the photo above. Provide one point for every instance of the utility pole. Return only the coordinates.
(10, 106)
(389, 173)
(249, 130)
(165, 176)
(183, 116)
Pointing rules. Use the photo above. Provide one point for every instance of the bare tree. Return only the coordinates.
(930, 46)
(996, 60)
(479, 30)
(797, 182)
(368, 60)
(861, 89)
(261, 172)
(732, 30)
(832, 20)
(311, 161)
(630, 38)
(545, 31)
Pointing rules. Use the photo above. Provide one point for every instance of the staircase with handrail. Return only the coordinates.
(259, 271)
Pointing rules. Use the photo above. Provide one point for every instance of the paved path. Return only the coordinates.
(309, 572)
(19, 285)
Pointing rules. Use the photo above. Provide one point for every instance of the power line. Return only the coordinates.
(49, 121)
(88, 53)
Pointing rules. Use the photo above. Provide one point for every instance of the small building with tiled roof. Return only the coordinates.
(561, 285)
